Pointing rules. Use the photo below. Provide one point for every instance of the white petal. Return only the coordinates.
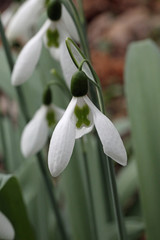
(7, 14)
(28, 58)
(67, 19)
(67, 65)
(84, 129)
(58, 112)
(62, 142)
(24, 19)
(6, 228)
(35, 133)
(109, 136)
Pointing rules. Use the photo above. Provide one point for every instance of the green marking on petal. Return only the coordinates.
(81, 114)
(50, 118)
(52, 38)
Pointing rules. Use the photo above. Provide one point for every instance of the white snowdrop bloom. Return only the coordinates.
(24, 19)
(6, 229)
(36, 132)
(79, 118)
(53, 32)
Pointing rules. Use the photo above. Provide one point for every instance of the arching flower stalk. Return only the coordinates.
(79, 119)
(35, 133)
(6, 229)
(54, 32)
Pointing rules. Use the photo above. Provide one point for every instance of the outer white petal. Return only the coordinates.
(83, 130)
(7, 14)
(35, 133)
(67, 19)
(62, 142)
(109, 136)
(58, 112)
(24, 19)
(6, 228)
(28, 58)
(68, 66)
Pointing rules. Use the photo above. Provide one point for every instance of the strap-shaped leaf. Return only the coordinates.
(142, 77)
(13, 206)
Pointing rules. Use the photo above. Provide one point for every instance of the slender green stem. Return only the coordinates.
(117, 208)
(3, 141)
(23, 106)
(92, 210)
(112, 179)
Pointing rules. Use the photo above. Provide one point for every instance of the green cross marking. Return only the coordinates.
(52, 38)
(81, 114)
(50, 118)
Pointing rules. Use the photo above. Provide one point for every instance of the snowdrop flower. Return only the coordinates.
(6, 228)
(36, 132)
(79, 119)
(24, 19)
(53, 31)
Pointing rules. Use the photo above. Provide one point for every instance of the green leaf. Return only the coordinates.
(142, 76)
(37, 200)
(135, 227)
(12, 205)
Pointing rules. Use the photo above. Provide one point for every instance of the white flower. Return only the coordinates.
(6, 228)
(79, 118)
(35, 133)
(54, 34)
(24, 19)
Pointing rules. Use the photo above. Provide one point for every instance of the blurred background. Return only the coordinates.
(112, 25)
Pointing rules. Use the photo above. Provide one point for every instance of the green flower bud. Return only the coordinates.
(47, 96)
(54, 10)
(79, 84)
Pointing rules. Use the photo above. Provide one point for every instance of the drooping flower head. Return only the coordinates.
(35, 133)
(54, 32)
(79, 119)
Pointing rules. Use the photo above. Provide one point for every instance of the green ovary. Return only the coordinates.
(81, 114)
(52, 38)
(50, 118)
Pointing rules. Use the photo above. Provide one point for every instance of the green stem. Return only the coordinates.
(23, 107)
(89, 186)
(112, 179)
(3, 141)
(117, 208)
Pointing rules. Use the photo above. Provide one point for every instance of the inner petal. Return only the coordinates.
(83, 118)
